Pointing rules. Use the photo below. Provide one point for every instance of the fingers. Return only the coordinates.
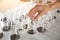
(33, 11)
(41, 13)
(37, 16)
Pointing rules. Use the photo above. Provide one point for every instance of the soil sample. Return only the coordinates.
(14, 37)
(5, 19)
(31, 31)
(54, 17)
(1, 35)
(41, 29)
(25, 26)
(6, 28)
(58, 11)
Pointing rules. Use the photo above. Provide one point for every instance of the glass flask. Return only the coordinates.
(7, 24)
(41, 27)
(31, 25)
(1, 31)
(1, 25)
(45, 21)
(20, 25)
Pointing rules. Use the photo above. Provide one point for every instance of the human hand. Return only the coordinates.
(33, 12)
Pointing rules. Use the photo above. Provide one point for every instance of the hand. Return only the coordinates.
(33, 12)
